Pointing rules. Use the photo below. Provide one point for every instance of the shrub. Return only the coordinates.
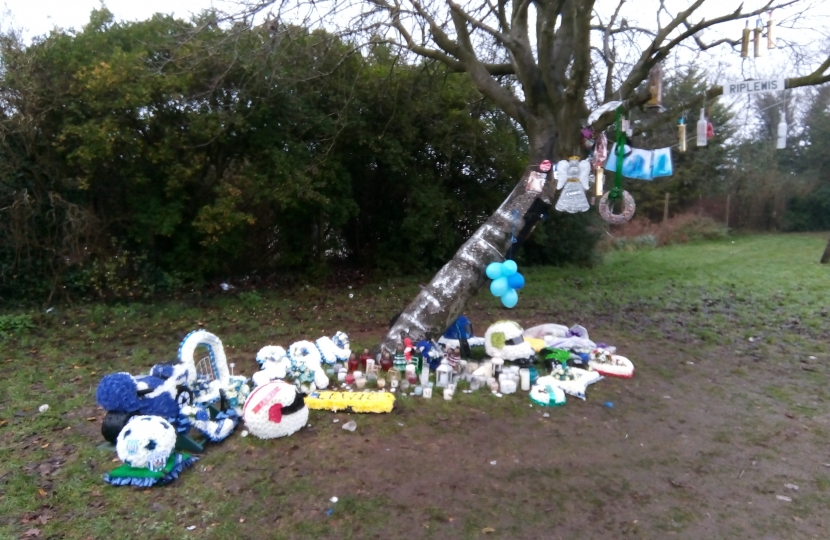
(11, 325)
(641, 233)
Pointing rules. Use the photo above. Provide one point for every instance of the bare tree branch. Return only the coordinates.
(657, 51)
(819, 76)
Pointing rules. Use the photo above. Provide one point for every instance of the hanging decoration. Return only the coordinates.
(506, 281)
(506, 277)
(600, 157)
(617, 193)
(702, 128)
(655, 87)
(759, 28)
(755, 34)
(782, 131)
(681, 135)
(573, 179)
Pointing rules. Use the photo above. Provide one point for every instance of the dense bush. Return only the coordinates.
(139, 157)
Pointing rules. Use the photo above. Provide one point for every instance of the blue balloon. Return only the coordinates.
(510, 298)
(499, 286)
(493, 270)
(509, 267)
(516, 281)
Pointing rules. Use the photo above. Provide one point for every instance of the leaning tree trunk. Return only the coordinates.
(826, 257)
(441, 302)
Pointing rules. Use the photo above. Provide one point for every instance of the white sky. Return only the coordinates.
(37, 17)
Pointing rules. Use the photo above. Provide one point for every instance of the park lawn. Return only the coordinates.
(731, 341)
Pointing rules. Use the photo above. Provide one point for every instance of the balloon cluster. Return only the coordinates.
(506, 280)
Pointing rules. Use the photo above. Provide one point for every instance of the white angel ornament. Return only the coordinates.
(574, 176)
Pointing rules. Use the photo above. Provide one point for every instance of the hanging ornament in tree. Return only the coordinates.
(770, 27)
(506, 281)
(745, 41)
(600, 155)
(681, 135)
(782, 131)
(536, 180)
(759, 28)
(701, 128)
(655, 87)
(617, 193)
(573, 179)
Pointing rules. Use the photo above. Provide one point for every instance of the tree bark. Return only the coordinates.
(826, 257)
(443, 299)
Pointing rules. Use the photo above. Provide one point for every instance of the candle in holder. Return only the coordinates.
(497, 366)
(428, 392)
(364, 359)
(425, 375)
(354, 362)
(411, 375)
(371, 369)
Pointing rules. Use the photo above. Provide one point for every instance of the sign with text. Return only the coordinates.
(752, 87)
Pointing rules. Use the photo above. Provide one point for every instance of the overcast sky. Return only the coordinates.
(37, 17)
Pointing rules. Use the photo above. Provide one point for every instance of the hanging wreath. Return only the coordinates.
(607, 212)
(617, 193)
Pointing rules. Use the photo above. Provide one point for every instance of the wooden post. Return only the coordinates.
(826, 257)
(727, 211)
(666, 209)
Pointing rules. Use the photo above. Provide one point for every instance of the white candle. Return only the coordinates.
(524, 375)
(425, 375)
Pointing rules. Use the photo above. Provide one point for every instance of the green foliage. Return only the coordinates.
(809, 210)
(12, 325)
(563, 239)
(137, 157)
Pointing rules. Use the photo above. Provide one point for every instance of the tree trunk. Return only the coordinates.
(442, 301)
(826, 257)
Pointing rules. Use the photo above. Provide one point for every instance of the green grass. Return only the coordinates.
(700, 301)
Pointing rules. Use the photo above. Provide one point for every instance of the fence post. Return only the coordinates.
(727, 211)
(666, 208)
